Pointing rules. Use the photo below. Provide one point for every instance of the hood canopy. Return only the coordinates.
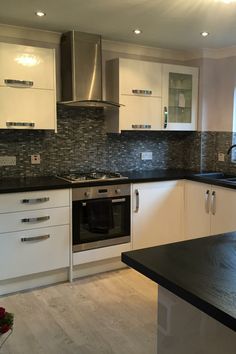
(81, 71)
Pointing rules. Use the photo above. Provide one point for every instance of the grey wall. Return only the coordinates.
(82, 144)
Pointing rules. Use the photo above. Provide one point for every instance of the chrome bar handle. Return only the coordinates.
(142, 92)
(40, 218)
(37, 238)
(207, 201)
(35, 200)
(18, 83)
(165, 117)
(136, 192)
(213, 202)
(141, 126)
(20, 124)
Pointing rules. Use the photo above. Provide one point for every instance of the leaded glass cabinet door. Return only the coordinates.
(180, 97)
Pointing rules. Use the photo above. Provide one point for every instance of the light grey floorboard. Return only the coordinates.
(110, 313)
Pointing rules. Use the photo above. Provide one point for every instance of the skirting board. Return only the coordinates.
(33, 281)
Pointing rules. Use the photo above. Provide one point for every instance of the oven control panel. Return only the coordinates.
(100, 192)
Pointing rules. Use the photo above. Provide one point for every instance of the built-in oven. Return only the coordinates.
(100, 216)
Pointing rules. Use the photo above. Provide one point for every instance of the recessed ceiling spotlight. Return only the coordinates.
(205, 34)
(137, 31)
(40, 13)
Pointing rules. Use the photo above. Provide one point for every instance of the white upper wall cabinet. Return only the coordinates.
(27, 87)
(155, 96)
(138, 86)
(180, 97)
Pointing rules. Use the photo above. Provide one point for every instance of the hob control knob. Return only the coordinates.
(118, 191)
(86, 194)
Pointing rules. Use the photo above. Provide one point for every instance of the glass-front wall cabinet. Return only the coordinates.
(180, 96)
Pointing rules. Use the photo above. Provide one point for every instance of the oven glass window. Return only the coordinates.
(100, 219)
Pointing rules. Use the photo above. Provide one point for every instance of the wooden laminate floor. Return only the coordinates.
(110, 313)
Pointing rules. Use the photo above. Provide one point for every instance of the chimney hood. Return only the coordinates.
(81, 70)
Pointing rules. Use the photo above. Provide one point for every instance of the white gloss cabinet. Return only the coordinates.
(209, 209)
(34, 232)
(137, 85)
(28, 252)
(180, 97)
(224, 206)
(27, 87)
(197, 209)
(158, 211)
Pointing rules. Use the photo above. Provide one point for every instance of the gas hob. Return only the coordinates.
(92, 176)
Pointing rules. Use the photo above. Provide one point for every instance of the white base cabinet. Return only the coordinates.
(157, 216)
(197, 209)
(34, 232)
(209, 209)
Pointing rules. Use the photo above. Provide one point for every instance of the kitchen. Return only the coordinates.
(82, 144)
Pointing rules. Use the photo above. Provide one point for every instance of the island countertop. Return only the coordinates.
(201, 272)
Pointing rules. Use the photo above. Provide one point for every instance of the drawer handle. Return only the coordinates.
(40, 218)
(18, 83)
(141, 126)
(142, 92)
(37, 238)
(20, 124)
(35, 200)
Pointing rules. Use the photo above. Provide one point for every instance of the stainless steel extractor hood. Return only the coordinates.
(81, 70)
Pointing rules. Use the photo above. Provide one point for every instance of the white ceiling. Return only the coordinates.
(165, 23)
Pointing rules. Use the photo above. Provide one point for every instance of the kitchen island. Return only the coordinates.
(196, 293)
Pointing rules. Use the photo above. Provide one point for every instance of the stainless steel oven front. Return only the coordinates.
(100, 216)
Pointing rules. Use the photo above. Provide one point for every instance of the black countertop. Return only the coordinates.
(200, 271)
(8, 185)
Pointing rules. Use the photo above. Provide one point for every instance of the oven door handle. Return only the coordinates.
(120, 200)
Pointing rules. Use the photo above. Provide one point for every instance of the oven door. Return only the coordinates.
(100, 222)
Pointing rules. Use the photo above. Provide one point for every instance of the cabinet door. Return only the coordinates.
(140, 77)
(180, 97)
(159, 218)
(26, 63)
(197, 209)
(223, 209)
(140, 113)
(27, 108)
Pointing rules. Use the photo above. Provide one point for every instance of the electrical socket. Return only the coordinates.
(7, 160)
(146, 155)
(221, 157)
(35, 159)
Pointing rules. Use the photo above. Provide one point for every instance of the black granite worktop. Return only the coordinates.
(10, 185)
(200, 271)
(21, 184)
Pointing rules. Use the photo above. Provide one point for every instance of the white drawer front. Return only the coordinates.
(27, 220)
(12, 202)
(19, 258)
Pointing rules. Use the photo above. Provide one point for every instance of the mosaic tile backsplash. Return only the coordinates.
(82, 144)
